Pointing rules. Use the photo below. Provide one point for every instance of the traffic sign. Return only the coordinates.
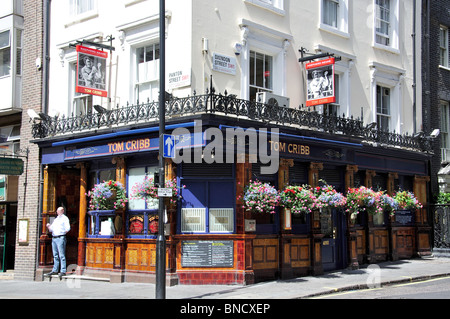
(169, 146)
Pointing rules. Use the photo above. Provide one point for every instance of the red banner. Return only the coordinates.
(91, 71)
(320, 82)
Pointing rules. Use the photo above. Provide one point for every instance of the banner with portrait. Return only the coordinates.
(91, 71)
(320, 88)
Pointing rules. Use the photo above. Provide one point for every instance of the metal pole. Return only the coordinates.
(161, 241)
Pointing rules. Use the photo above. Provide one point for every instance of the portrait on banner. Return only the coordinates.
(320, 86)
(91, 71)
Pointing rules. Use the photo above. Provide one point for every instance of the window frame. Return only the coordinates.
(271, 42)
(267, 87)
(393, 33)
(444, 47)
(153, 81)
(341, 28)
(276, 6)
(383, 110)
(6, 53)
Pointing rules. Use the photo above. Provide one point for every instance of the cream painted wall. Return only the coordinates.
(278, 31)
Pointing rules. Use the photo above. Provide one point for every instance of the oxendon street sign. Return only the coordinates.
(11, 166)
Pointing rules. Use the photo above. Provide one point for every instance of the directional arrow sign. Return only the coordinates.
(169, 146)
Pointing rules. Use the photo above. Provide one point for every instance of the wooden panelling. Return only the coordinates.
(405, 239)
(265, 254)
(381, 241)
(300, 253)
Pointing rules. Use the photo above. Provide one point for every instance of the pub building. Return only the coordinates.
(210, 238)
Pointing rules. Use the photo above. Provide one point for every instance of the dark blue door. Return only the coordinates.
(333, 242)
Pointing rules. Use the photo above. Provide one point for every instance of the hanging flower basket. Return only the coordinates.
(260, 197)
(407, 201)
(365, 199)
(299, 199)
(109, 195)
(328, 197)
(148, 191)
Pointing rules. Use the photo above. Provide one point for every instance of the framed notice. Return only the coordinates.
(91, 71)
(24, 225)
(320, 82)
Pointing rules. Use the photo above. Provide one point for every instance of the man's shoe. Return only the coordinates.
(61, 274)
(50, 274)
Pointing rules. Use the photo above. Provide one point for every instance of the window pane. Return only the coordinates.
(259, 70)
(135, 175)
(5, 62)
(4, 39)
(330, 12)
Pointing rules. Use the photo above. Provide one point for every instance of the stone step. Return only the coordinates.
(77, 277)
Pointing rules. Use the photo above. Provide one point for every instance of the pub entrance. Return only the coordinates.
(8, 220)
(333, 242)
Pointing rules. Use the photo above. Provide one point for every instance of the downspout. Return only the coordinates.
(45, 102)
(414, 70)
(46, 48)
(427, 123)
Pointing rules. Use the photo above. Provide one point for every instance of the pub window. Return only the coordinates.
(5, 53)
(261, 73)
(208, 199)
(142, 220)
(101, 224)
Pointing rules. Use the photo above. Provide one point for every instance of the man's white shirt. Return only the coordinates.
(60, 226)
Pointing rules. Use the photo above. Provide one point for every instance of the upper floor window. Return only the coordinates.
(443, 47)
(78, 7)
(386, 23)
(383, 108)
(275, 5)
(5, 53)
(147, 70)
(334, 16)
(261, 66)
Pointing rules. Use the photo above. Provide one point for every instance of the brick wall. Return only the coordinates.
(28, 203)
(439, 78)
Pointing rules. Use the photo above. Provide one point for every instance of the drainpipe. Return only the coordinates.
(427, 123)
(414, 70)
(46, 62)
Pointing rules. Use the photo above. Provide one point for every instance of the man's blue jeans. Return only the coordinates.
(59, 253)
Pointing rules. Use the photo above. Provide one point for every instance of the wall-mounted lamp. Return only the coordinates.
(237, 47)
(205, 45)
(435, 133)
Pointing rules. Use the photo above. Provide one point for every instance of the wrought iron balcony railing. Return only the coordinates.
(228, 105)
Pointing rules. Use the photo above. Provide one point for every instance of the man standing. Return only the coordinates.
(59, 228)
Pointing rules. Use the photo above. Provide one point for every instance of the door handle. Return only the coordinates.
(334, 232)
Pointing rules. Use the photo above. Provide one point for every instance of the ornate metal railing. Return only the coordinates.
(227, 105)
(442, 226)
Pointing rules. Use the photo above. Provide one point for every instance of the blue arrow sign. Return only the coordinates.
(169, 146)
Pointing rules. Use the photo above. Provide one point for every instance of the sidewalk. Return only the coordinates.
(304, 287)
